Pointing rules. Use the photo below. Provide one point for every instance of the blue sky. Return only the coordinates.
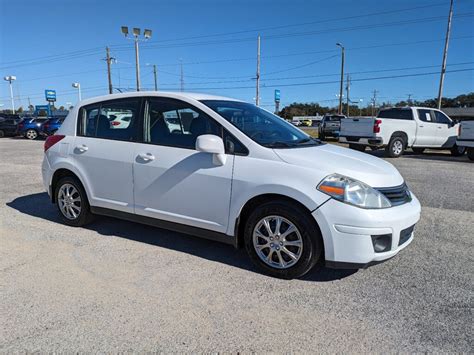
(49, 45)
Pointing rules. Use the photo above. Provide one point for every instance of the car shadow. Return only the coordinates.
(38, 205)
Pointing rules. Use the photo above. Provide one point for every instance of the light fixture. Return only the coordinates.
(147, 33)
(125, 30)
(136, 31)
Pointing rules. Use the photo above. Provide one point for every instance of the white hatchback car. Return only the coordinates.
(227, 170)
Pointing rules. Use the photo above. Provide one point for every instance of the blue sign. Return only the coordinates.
(277, 95)
(45, 108)
(50, 95)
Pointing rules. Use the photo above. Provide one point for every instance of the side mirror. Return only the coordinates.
(209, 143)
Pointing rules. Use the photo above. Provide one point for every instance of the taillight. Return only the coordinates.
(377, 124)
(52, 140)
(114, 123)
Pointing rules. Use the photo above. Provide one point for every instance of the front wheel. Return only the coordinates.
(282, 240)
(31, 134)
(395, 147)
(470, 153)
(458, 151)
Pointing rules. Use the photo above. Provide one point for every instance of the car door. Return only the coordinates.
(446, 131)
(426, 133)
(173, 181)
(103, 152)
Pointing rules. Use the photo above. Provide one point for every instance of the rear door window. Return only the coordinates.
(396, 113)
(425, 115)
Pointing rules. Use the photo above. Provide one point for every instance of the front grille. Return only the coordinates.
(397, 195)
(405, 234)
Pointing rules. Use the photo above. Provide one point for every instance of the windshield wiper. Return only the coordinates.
(279, 144)
(307, 140)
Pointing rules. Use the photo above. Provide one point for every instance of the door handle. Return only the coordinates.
(421, 126)
(82, 148)
(440, 127)
(146, 156)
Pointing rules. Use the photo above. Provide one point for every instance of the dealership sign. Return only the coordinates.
(277, 95)
(50, 95)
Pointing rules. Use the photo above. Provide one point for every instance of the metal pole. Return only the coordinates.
(11, 96)
(348, 84)
(257, 98)
(445, 56)
(137, 63)
(277, 107)
(182, 76)
(109, 75)
(79, 92)
(156, 80)
(342, 80)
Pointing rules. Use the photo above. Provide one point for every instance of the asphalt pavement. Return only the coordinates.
(118, 286)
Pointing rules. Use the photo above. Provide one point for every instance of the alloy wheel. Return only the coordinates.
(277, 241)
(397, 147)
(69, 201)
(31, 134)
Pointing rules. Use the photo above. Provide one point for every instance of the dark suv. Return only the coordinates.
(330, 126)
(9, 126)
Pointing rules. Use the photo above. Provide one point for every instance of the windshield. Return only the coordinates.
(261, 126)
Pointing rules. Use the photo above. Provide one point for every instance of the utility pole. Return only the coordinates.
(445, 56)
(182, 76)
(154, 74)
(348, 88)
(342, 76)
(409, 99)
(29, 104)
(374, 101)
(109, 74)
(257, 97)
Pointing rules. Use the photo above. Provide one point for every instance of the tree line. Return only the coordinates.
(314, 109)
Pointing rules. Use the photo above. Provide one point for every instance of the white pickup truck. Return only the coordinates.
(466, 138)
(398, 128)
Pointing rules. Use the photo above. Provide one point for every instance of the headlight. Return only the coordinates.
(353, 192)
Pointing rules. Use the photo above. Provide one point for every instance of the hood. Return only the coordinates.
(329, 159)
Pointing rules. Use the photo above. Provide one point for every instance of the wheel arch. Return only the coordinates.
(259, 200)
(400, 134)
(59, 174)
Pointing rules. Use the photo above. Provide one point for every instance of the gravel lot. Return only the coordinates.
(119, 286)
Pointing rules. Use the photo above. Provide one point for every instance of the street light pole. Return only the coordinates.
(342, 77)
(154, 74)
(10, 79)
(136, 33)
(78, 87)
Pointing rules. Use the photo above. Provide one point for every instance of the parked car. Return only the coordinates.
(9, 126)
(398, 128)
(330, 126)
(466, 138)
(51, 126)
(31, 127)
(232, 172)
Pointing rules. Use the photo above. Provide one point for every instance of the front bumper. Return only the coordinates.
(347, 232)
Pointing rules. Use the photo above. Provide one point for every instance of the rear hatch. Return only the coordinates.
(357, 127)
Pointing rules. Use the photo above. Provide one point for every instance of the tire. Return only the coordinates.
(80, 215)
(306, 234)
(358, 147)
(418, 150)
(457, 151)
(2, 134)
(31, 134)
(395, 147)
(470, 153)
(321, 136)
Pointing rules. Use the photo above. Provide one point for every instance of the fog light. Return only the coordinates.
(382, 242)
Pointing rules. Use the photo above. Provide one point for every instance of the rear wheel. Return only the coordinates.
(282, 240)
(470, 153)
(31, 134)
(395, 147)
(418, 150)
(322, 136)
(72, 202)
(358, 147)
(458, 151)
